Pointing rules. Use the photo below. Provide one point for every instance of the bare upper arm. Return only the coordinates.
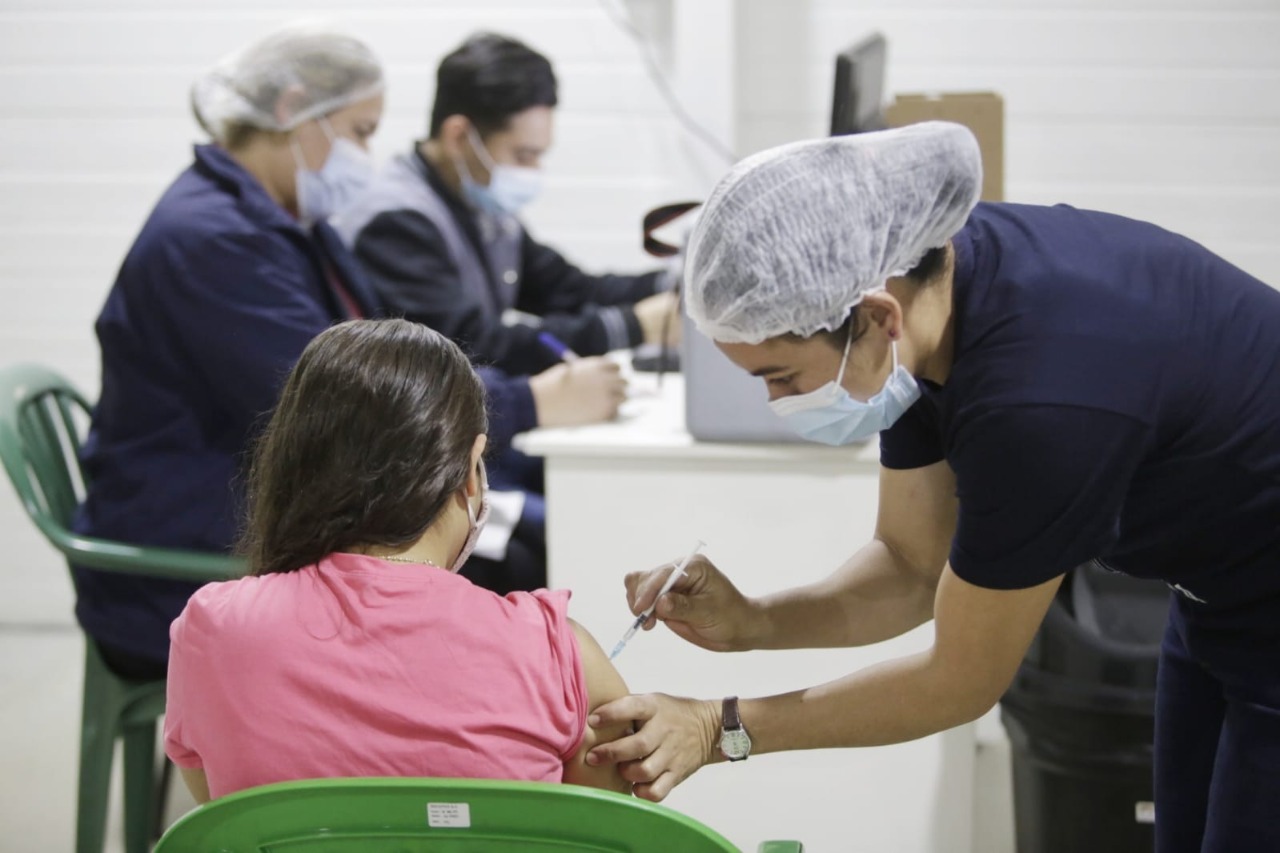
(982, 635)
(917, 516)
(604, 684)
(197, 784)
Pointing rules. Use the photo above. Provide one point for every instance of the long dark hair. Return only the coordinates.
(372, 435)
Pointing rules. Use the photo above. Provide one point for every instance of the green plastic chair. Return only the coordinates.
(440, 816)
(40, 419)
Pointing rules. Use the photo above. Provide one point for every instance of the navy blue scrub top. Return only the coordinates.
(217, 298)
(1114, 395)
(215, 301)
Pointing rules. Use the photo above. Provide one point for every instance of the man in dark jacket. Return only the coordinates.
(217, 298)
(233, 274)
(437, 231)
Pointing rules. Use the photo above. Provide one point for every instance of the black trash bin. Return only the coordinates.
(1081, 717)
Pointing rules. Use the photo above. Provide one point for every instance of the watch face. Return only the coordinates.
(735, 744)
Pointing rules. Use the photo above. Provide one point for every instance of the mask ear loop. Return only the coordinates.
(472, 515)
(460, 162)
(474, 519)
(844, 360)
(298, 159)
(300, 165)
(296, 150)
(477, 145)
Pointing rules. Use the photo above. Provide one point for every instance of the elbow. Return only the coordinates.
(961, 708)
(968, 694)
(975, 709)
(923, 569)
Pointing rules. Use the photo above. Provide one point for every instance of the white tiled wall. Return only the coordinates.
(1167, 110)
(1161, 109)
(94, 123)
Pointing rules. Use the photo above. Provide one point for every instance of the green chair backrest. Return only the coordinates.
(437, 815)
(42, 418)
(40, 440)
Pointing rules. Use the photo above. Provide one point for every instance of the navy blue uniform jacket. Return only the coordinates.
(215, 301)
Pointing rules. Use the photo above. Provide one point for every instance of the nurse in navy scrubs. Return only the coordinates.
(1050, 386)
(233, 274)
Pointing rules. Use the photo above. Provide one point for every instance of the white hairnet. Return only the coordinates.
(316, 69)
(794, 237)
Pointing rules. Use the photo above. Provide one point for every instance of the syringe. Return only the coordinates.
(666, 587)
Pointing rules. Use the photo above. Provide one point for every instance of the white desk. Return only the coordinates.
(636, 493)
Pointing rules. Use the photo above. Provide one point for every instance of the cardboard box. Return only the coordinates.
(981, 112)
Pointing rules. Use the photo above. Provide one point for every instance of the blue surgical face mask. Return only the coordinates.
(829, 415)
(510, 187)
(345, 173)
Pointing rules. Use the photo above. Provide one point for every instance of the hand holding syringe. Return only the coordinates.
(666, 587)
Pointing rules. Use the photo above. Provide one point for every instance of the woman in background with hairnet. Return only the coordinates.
(1051, 386)
(233, 274)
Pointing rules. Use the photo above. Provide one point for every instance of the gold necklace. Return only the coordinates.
(394, 559)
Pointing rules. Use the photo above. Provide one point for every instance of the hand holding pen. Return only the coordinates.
(557, 347)
(578, 390)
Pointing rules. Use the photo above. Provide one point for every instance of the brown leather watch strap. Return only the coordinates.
(729, 713)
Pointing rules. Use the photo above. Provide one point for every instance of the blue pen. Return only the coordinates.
(557, 346)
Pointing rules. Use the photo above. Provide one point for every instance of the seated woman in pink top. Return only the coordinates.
(354, 648)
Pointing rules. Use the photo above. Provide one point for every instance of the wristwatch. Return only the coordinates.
(735, 743)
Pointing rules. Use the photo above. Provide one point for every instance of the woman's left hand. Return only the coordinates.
(674, 737)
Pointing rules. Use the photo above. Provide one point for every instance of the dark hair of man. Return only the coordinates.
(931, 267)
(490, 79)
(371, 437)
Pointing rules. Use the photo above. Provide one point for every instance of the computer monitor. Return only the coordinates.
(857, 105)
(723, 402)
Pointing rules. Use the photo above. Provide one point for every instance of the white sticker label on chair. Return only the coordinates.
(1144, 811)
(455, 815)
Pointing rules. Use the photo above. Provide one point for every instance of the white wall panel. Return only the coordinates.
(1229, 96)
(95, 123)
(1154, 156)
(1064, 36)
(71, 145)
(1164, 111)
(1167, 110)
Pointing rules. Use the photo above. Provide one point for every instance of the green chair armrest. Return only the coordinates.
(780, 847)
(40, 459)
(173, 563)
